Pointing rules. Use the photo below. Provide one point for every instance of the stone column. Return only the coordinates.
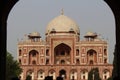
(78, 74)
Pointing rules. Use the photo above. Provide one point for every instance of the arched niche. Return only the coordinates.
(62, 54)
(30, 73)
(91, 56)
(106, 74)
(41, 75)
(62, 73)
(33, 57)
(73, 74)
(84, 74)
(52, 73)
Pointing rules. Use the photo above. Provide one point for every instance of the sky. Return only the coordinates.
(33, 16)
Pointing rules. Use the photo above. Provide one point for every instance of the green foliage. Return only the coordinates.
(110, 78)
(28, 77)
(94, 73)
(115, 65)
(12, 67)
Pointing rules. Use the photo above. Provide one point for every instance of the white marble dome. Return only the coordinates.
(62, 23)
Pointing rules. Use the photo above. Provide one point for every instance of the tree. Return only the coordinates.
(115, 65)
(12, 67)
(110, 78)
(28, 77)
(94, 74)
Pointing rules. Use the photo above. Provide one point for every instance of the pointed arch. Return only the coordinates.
(62, 73)
(33, 57)
(30, 73)
(41, 74)
(106, 74)
(73, 74)
(91, 56)
(52, 73)
(84, 74)
(62, 54)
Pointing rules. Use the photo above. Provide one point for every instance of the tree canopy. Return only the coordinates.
(94, 74)
(28, 77)
(12, 67)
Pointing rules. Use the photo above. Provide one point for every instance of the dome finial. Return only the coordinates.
(62, 11)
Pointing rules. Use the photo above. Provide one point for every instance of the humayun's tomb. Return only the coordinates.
(63, 53)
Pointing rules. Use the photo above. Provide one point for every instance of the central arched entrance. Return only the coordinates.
(91, 56)
(33, 57)
(62, 54)
(62, 73)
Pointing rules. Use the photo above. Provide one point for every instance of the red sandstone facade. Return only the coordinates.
(62, 53)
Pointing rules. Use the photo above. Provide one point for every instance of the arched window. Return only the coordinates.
(62, 73)
(30, 73)
(105, 60)
(47, 52)
(105, 52)
(77, 52)
(47, 61)
(62, 61)
(41, 75)
(52, 73)
(73, 75)
(33, 57)
(77, 61)
(20, 61)
(84, 74)
(20, 52)
(21, 76)
(106, 74)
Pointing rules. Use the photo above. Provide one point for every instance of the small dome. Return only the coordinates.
(90, 34)
(34, 34)
(62, 23)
